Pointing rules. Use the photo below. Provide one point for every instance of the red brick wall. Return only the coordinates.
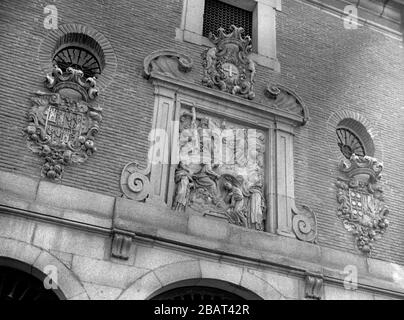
(329, 67)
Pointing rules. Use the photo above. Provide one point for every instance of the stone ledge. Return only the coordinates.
(76, 199)
(18, 185)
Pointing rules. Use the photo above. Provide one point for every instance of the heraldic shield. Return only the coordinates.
(227, 65)
(63, 123)
(360, 195)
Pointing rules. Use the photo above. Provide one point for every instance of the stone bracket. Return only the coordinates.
(313, 286)
(121, 244)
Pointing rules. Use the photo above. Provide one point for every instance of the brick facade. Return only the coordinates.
(332, 69)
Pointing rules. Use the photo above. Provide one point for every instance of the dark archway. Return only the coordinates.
(21, 282)
(203, 290)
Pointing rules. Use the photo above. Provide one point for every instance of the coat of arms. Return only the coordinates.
(63, 122)
(227, 65)
(360, 195)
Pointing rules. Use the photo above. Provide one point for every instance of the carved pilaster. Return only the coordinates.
(284, 179)
(121, 244)
(313, 286)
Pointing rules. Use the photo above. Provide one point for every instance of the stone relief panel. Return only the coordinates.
(221, 169)
(63, 123)
(361, 200)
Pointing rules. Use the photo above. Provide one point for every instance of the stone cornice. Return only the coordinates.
(169, 68)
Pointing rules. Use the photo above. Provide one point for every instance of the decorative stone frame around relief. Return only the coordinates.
(169, 72)
(47, 49)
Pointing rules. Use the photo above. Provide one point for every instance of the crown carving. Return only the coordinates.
(73, 79)
(366, 166)
(234, 37)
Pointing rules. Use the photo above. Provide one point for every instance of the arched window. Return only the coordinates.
(203, 290)
(197, 293)
(80, 52)
(353, 138)
(17, 285)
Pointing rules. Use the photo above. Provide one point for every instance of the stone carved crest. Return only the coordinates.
(227, 65)
(360, 195)
(63, 123)
(220, 172)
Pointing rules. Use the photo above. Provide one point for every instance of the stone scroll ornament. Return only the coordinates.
(227, 65)
(63, 123)
(360, 196)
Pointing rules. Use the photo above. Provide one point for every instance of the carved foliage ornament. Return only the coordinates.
(360, 195)
(227, 65)
(63, 123)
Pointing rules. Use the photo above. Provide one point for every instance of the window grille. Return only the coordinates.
(218, 14)
(349, 143)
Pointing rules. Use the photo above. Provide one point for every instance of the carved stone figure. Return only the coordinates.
(235, 199)
(360, 195)
(227, 65)
(206, 179)
(63, 123)
(257, 208)
(183, 180)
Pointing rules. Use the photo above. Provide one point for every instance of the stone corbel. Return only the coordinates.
(313, 286)
(121, 244)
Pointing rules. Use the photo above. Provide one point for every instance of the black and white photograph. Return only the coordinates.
(201, 156)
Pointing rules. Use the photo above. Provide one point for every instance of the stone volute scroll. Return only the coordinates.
(360, 195)
(227, 65)
(284, 99)
(63, 123)
(167, 62)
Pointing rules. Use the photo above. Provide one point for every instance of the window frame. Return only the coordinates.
(264, 27)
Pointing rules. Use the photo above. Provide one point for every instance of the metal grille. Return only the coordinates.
(218, 14)
(197, 293)
(349, 143)
(78, 58)
(16, 285)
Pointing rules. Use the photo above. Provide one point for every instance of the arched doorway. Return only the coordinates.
(21, 282)
(203, 290)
